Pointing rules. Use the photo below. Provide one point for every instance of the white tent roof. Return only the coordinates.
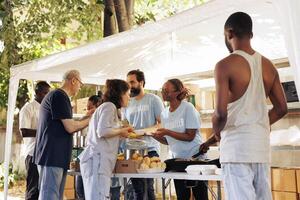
(188, 42)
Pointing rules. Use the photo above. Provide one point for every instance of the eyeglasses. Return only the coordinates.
(166, 92)
(81, 84)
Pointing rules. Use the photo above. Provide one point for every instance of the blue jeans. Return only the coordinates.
(51, 182)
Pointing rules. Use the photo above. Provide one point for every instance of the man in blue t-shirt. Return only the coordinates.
(54, 138)
(143, 111)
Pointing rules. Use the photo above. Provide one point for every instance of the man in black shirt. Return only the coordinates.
(54, 137)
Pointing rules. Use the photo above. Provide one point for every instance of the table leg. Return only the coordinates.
(163, 187)
(219, 190)
(145, 197)
(125, 188)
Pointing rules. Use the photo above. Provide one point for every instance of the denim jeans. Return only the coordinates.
(51, 182)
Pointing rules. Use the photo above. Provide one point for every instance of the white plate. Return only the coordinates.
(150, 171)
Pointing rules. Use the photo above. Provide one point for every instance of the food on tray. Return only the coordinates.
(133, 135)
(155, 159)
(121, 156)
(136, 156)
(146, 160)
(140, 158)
(152, 163)
(144, 166)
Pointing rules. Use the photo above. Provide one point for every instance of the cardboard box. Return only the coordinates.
(284, 180)
(127, 166)
(284, 195)
(69, 194)
(298, 180)
(70, 182)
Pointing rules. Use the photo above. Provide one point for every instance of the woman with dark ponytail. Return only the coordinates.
(181, 124)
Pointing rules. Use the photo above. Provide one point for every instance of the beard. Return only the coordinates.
(228, 46)
(135, 91)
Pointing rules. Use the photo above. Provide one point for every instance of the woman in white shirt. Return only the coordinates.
(98, 159)
(181, 124)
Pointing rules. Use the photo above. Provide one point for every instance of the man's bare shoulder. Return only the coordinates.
(227, 62)
(268, 67)
(268, 63)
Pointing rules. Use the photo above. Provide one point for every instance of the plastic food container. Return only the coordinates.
(201, 169)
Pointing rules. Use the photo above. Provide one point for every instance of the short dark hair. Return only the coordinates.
(40, 86)
(96, 99)
(114, 89)
(140, 76)
(179, 87)
(240, 23)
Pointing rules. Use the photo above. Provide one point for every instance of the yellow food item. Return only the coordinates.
(144, 166)
(153, 165)
(163, 165)
(121, 157)
(147, 161)
(133, 135)
(134, 156)
(120, 154)
(140, 158)
(155, 159)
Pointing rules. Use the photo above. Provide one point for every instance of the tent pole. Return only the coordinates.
(12, 97)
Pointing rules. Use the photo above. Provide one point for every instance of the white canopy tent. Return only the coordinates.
(189, 42)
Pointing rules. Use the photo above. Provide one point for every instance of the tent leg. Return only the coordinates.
(12, 97)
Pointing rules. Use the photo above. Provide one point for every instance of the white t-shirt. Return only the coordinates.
(184, 117)
(143, 113)
(28, 118)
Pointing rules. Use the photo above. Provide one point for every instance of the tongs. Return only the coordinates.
(194, 157)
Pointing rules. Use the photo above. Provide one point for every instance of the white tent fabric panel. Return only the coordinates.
(189, 42)
(289, 12)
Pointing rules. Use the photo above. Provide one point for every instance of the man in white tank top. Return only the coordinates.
(241, 120)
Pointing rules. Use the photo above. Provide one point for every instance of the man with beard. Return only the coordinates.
(244, 80)
(143, 111)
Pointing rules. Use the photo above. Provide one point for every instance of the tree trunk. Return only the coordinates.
(122, 16)
(110, 26)
(130, 12)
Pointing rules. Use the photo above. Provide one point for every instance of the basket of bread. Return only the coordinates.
(151, 165)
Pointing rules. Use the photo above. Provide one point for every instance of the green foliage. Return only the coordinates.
(152, 10)
(13, 176)
(36, 28)
(32, 29)
(46, 27)
(86, 91)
